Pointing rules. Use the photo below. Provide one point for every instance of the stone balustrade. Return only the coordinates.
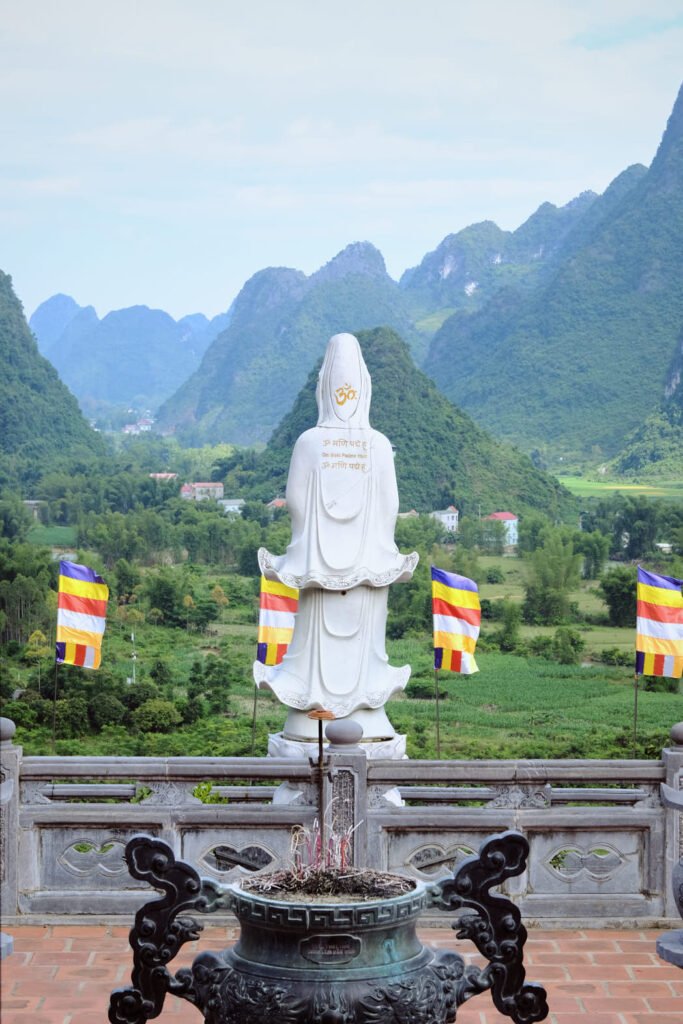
(603, 844)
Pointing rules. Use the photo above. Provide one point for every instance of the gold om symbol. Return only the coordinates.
(345, 394)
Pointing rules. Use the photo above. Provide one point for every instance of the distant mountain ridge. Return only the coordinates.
(135, 356)
(536, 332)
(467, 268)
(281, 322)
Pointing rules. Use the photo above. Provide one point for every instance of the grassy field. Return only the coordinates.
(52, 536)
(597, 637)
(671, 490)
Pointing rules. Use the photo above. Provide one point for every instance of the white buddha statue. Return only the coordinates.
(343, 502)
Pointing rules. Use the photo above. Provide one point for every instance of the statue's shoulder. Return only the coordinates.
(380, 442)
(308, 438)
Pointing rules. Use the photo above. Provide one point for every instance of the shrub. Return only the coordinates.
(541, 646)
(423, 691)
(495, 575)
(567, 645)
(157, 715)
(613, 656)
(105, 709)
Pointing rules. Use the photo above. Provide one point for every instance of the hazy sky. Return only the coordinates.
(163, 151)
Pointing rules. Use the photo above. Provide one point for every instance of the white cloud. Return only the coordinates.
(247, 133)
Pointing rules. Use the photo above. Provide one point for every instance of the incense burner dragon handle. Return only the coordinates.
(495, 927)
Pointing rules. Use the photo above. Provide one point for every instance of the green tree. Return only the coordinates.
(106, 709)
(594, 547)
(127, 577)
(15, 519)
(420, 531)
(509, 635)
(37, 646)
(530, 533)
(143, 691)
(164, 591)
(493, 536)
(469, 533)
(618, 589)
(71, 717)
(161, 673)
(554, 571)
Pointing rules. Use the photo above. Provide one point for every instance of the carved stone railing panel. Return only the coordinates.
(435, 861)
(86, 859)
(602, 845)
(588, 861)
(260, 847)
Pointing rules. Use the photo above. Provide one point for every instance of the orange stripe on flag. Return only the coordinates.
(660, 612)
(278, 602)
(85, 605)
(470, 615)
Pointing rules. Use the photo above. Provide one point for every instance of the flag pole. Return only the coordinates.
(54, 710)
(438, 723)
(253, 722)
(635, 714)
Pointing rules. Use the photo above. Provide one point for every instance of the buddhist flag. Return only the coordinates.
(277, 611)
(659, 628)
(81, 614)
(457, 617)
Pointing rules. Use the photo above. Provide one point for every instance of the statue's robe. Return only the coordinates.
(343, 501)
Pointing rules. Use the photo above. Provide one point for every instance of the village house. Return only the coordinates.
(448, 517)
(204, 491)
(231, 506)
(511, 523)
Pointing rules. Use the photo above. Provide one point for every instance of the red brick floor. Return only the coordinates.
(63, 974)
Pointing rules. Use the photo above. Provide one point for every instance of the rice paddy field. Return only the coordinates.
(671, 490)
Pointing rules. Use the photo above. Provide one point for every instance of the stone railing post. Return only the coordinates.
(673, 763)
(345, 787)
(10, 762)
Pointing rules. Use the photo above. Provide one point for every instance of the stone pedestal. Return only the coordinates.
(280, 746)
(299, 738)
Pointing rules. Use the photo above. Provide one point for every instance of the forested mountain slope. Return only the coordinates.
(583, 359)
(467, 268)
(442, 456)
(281, 323)
(655, 448)
(39, 417)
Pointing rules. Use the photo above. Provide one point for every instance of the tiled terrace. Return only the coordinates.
(63, 974)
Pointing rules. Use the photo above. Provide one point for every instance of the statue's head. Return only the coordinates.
(344, 389)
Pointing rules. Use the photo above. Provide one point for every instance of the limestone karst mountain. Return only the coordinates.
(655, 447)
(583, 359)
(441, 454)
(281, 322)
(49, 321)
(469, 267)
(39, 417)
